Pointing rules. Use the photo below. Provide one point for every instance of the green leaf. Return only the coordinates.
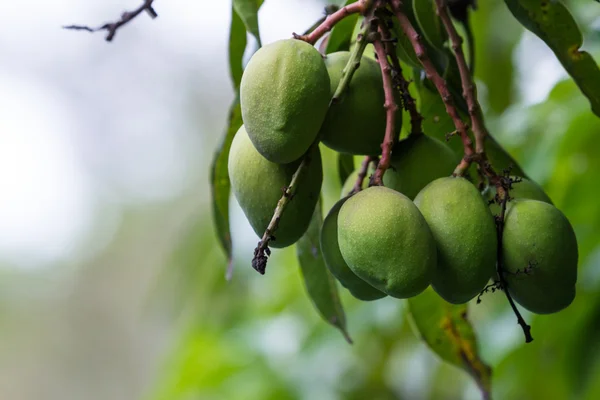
(341, 35)
(552, 22)
(248, 12)
(320, 284)
(447, 331)
(220, 184)
(430, 23)
(345, 166)
(237, 46)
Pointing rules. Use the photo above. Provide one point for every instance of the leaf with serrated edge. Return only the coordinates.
(552, 22)
(447, 331)
(320, 284)
(220, 184)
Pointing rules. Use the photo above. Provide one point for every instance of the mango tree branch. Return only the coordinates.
(408, 102)
(468, 86)
(332, 19)
(262, 251)
(438, 81)
(390, 107)
(362, 174)
(112, 27)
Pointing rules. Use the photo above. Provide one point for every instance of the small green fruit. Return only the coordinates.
(335, 262)
(258, 184)
(465, 234)
(284, 95)
(525, 189)
(356, 123)
(540, 256)
(416, 161)
(385, 240)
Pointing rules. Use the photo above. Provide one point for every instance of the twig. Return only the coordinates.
(331, 20)
(439, 83)
(362, 174)
(112, 27)
(262, 251)
(500, 268)
(390, 108)
(409, 104)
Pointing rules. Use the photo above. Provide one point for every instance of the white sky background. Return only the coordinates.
(84, 123)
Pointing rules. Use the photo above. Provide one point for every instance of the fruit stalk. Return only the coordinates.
(362, 174)
(408, 102)
(500, 271)
(390, 107)
(332, 19)
(262, 252)
(439, 82)
(468, 86)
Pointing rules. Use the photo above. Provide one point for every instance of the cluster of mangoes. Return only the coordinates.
(423, 227)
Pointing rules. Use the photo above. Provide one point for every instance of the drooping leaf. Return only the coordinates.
(220, 184)
(248, 12)
(447, 331)
(430, 23)
(345, 166)
(551, 21)
(237, 46)
(341, 35)
(320, 284)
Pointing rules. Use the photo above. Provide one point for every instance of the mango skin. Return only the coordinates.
(385, 241)
(335, 261)
(417, 161)
(258, 183)
(356, 124)
(465, 233)
(538, 235)
(526, 189)
(284, 96)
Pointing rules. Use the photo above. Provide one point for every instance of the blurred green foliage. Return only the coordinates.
(260, 338)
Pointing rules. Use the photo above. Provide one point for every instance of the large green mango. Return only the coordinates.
(258, 185)
(356, 123)
(385, 240)
(465, 234)
(284, 95)
(540, 256)
(335, 261)
(416, 161)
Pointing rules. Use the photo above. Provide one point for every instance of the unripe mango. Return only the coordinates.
(416, 161)
(335, 261)
(284, 96)
(258, 185)
(525, 189)
(385, 240)
(356, 123)
(465, 234)
(540, 255)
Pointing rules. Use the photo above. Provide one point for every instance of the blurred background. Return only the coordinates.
(111, 281)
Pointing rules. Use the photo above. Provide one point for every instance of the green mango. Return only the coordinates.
(525, 189)
(335, 261)
(540, 255)
(465, 234)
(284, 96)
(385, 241)
(258, 185)
(416, 161)
(356, 124)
